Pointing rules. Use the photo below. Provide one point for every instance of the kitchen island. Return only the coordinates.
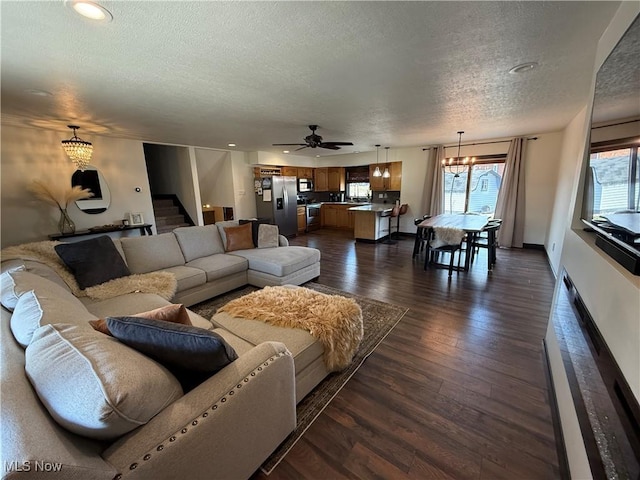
(369, 225)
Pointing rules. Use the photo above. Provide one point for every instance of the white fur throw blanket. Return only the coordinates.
(334, 320)
(446, 236)
(160, 283)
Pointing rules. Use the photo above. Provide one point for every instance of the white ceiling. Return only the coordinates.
(255, 73)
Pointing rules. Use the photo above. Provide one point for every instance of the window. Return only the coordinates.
(358, 182)
(358, 190)
(474, 191)
(615, 180)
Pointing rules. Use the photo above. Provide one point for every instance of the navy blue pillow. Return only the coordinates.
(192, 354)
(93, 261)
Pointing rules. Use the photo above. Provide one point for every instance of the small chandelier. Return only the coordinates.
(457, 165)
(377, 172)
(386, 173)
(78, 151)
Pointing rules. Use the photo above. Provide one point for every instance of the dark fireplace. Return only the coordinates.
(608, 412)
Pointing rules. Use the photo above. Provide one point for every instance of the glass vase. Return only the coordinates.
(65, 224)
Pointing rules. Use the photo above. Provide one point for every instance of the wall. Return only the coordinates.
(242, 171)
(609, 292)
(35, 154)
(214, 171)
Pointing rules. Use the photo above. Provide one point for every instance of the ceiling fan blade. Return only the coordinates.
(301, 148)
(337, 143)
(287, 144)
(329, 146)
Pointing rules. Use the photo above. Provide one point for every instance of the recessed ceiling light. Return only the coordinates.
(317, 156)
(39, 93)
(357, 151)
(232, 145)
(91, 10)
(285, 151)
(523, 67)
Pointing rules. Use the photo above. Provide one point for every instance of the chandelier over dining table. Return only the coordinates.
(457, 165)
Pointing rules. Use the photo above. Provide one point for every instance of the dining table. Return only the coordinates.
(472, 224)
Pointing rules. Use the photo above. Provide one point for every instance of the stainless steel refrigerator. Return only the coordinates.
(281, 205)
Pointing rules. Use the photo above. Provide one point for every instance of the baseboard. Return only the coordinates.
(561, 449)
(533, 246)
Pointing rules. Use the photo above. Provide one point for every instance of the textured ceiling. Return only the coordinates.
(256, 73)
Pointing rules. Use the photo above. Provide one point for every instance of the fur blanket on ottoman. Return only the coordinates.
(334, 320)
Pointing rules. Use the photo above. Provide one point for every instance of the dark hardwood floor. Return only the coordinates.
(456, 391)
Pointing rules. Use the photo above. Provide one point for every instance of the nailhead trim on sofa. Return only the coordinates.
(205, 414)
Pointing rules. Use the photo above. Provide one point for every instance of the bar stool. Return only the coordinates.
(390, 214)
(403, 209)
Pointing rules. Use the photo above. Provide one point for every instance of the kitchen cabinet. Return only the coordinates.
(302, 219)
(321, 179)
(329, 216)
(305, 172)
(335, 179)
(344, 217)
(336, 215)
(289, 171)
(394, 182)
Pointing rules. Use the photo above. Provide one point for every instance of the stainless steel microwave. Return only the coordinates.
(305, 185)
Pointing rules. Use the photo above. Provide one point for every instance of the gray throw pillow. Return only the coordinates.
(268, 236)
(255, 225)
(93, 261)
(192, 354)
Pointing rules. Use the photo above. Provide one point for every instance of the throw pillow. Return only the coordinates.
(255, 225)
(268, 236)
(238, 238)
(174, 313)
(93, 261)
(94, 385)
(192, 354)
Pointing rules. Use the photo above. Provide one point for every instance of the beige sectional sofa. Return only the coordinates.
(71, 375)
(197, 258)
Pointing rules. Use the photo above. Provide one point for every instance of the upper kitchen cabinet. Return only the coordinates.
(392, 183)
(305, 172)
(321, 179)
(336, 182)
(289, 171)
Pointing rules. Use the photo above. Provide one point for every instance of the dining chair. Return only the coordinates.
(421, 234)
(487, 239)
(444, 239)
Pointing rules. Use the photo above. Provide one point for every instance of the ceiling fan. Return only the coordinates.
(314, 141)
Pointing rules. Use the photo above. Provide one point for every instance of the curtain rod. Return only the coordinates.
(478, 143)
(616, 124)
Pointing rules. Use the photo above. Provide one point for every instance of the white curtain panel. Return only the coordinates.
(510, 203)
(434, 204)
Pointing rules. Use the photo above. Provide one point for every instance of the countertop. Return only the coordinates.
(373, 207)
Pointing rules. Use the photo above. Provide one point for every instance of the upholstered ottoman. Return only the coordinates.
(321, 331)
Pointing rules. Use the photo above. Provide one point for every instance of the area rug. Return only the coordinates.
(379, 318)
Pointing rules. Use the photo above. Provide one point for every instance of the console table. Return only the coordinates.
(145, 229)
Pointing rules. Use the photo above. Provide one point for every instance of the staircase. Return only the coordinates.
(167, 215)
